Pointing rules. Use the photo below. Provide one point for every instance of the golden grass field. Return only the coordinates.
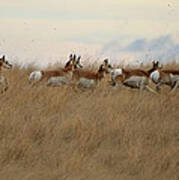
(56, 133)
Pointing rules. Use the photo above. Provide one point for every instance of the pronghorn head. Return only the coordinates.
(5, 64)
(107, 66)
(73, 62)
(154, 67)
(155, 64)
(76, 62)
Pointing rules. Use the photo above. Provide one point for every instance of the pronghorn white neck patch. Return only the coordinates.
(154, 76)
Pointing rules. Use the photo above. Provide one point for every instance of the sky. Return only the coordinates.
(125, 31)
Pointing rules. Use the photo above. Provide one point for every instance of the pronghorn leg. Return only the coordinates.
(173, 85)
(113, 83)
(141, 88)
(32, 84)
(38, 82)
(150, 89)
(158, 86)
(4, 84)
(120, 85)
(173, 88)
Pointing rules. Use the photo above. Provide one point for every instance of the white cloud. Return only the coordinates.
(30, 26)
(143, 50)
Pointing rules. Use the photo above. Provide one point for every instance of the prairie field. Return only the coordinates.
(62, 133)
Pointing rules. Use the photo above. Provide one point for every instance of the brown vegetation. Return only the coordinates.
(49, 133)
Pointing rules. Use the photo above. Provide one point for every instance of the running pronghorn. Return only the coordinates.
(3, 81)
(168, 77)
(66, 79)
(63, 74)
(113, 71)
(87, 78)
(136, 78)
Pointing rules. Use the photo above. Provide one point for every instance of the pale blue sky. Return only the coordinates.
(28, 23)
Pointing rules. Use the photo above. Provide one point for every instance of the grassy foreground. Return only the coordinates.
(49, 133)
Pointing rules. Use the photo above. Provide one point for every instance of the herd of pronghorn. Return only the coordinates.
(74, 73)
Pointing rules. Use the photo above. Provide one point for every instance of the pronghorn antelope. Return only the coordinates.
(167, 77)
(136, 78)
(113, 72)
(63, 74)
(87, 78)
(59, 80)
(3, 80)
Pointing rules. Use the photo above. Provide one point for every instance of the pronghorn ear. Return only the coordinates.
(69, 61)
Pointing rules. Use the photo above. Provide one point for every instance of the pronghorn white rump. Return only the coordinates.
(35, 76)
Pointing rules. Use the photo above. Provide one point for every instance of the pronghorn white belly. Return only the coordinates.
(87, 83)
(60, 80)
(155, 76)
(2, 79)
(136, 81)
(174, 77)
(35, 76)
(57, 81)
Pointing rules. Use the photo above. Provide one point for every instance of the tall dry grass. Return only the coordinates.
(107, 134)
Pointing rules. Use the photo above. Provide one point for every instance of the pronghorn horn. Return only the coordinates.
(78, 60)
(69, 61)
(74, 57)
(3, 58)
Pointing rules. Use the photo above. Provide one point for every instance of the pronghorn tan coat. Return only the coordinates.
(168, 77)
(87, 78)
(136, 78)
(64, 73)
